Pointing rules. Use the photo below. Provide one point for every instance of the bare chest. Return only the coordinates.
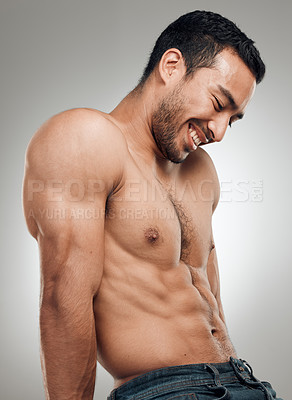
(158, 223)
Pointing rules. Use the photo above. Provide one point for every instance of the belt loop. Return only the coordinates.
(215, 372)
(218, 386)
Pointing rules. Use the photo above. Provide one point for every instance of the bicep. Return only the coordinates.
(71, 249)
(69, 231)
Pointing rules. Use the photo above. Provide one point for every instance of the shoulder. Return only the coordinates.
(77, 129)
(76, 141)
(199, 168)
(75, 159)
(200, 163)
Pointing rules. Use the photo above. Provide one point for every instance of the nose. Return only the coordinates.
(218, 128)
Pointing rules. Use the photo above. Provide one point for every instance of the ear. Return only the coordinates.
(171, 66)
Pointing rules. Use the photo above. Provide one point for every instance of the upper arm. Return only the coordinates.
(69, 174)
(212, 265)
(212, 177)
(200, 170)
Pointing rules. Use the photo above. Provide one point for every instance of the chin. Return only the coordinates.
(178, 159)
(173, 154)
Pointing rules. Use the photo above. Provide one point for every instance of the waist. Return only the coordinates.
(127, 353)
(165, 380)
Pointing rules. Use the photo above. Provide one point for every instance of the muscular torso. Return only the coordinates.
(157, 304)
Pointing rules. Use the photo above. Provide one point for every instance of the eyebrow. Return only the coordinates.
(231, 100)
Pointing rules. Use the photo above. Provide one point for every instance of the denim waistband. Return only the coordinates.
(184, 376)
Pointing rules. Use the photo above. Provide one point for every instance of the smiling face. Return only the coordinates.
(198, 110)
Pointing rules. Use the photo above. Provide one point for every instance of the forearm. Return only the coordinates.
(68, 351)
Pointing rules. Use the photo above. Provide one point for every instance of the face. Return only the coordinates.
(198, 110)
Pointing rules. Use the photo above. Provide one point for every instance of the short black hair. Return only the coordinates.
(200, 36)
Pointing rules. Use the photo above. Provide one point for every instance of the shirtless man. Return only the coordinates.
(121, 206)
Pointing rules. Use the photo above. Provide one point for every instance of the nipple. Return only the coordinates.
(152, 234)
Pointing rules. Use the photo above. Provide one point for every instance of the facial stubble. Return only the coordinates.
(167, 121)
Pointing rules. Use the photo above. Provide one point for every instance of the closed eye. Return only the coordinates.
(220, 106)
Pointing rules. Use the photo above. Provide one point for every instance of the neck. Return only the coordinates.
(133, 116)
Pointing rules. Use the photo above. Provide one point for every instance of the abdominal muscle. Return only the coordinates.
(149, 318)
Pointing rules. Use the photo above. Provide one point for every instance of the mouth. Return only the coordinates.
(197, 136)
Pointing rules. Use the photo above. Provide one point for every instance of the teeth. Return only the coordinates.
(193, 133)
(194, 136)
(197, 141)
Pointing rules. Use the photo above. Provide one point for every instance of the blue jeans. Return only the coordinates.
(232, 380)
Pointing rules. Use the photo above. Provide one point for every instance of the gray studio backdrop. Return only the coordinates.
(63, 54)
